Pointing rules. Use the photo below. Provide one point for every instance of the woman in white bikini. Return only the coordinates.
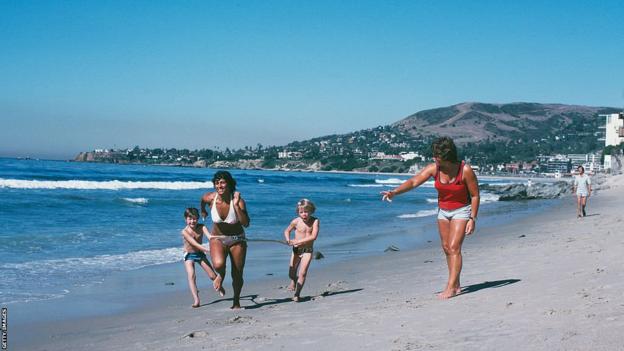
(228, 213)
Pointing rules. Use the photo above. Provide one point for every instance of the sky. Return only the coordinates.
(83, 75)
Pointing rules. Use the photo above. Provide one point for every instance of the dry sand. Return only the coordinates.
(550, 282)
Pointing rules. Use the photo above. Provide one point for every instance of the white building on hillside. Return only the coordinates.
(406, 156)
(614, 133)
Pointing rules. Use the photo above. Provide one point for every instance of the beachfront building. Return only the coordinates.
(614, 134)
(554, 165)
(591, 162)
(513, 167)
(614, 128)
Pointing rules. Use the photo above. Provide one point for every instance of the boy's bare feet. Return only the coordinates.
(295, 298)
(195, 305)
(236, 307)
(291, 286)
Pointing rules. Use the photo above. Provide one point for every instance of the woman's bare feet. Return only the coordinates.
(217, 284)
(449, 293)
(195, 305)
(295, 298)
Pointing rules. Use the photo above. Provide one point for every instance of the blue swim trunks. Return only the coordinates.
(194, 256)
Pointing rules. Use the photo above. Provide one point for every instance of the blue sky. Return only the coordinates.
(80, 75)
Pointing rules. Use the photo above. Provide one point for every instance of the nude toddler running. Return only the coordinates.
(306, 229)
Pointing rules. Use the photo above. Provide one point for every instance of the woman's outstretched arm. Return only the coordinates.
(411, 183)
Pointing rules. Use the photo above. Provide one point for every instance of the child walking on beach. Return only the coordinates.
(306, 229)
(192, 236)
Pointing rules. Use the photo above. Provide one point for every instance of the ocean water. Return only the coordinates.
(65, 225)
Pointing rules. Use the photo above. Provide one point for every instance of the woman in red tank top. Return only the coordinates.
(458, 204)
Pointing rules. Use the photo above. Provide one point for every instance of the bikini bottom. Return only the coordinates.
(229, 240)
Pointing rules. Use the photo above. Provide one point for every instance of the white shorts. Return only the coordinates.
(459, 213)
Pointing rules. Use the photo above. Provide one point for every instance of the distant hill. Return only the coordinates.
(488, 134)
(474, 122)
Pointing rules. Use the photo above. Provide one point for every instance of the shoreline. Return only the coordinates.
(503, 176)
(401, 235)
(378, 301)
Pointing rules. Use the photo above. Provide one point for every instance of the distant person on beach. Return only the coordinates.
(582, 189)
(194, 251)
(306, 229)
(228, 213)
(458, 202)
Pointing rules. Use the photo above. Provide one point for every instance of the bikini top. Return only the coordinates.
(214, 214)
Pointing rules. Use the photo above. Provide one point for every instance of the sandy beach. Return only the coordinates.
(549, 282)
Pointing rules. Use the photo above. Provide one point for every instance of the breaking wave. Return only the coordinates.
(421, 213)
(100, 185)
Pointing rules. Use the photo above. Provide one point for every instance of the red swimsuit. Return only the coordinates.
(453, 195)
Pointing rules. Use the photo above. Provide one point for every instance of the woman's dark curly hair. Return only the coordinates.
(445, 149)
(225, 175)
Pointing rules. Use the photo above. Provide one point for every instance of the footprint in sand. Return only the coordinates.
(413, 304)
(333, 287)
(234, 320)
(196, 334)
(411, 345)
(251, 337)
(336, 284)
(240, 320)
(568, 335)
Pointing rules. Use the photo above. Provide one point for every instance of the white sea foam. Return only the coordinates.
(15, 297)
(487, 197)
(101, 263)
(77, 269)
(421, 213)
(366, 185)
(397, 181)
(389, 181)
(136, 200)
(102, 185)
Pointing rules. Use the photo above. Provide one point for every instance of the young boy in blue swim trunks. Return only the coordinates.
(306, 229)
(192, 237)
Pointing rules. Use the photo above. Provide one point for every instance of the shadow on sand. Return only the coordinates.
(267, 302)
(593, 214)
(487, 285)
